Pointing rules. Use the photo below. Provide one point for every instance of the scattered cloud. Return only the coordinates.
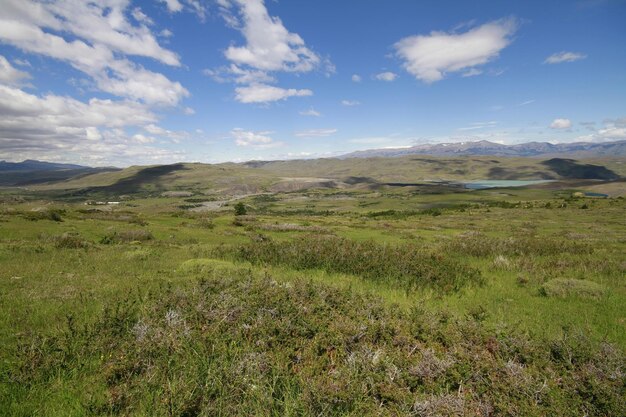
(189, 111)
(141, 17)
(310, 112)
(479, 125)
(315, 133)
(356, 78)
(526, 103)
(472, 72)
(98, 39)
(173, 6)
(248, 138)
(430, 57)
(194, 6)
(386, 76)
(561, 57)
(11, 75)
(263, 93)
(350, 103)
(139, 138)
(561, 124)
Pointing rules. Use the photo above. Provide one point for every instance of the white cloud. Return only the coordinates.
(561, 57)
(263, 93)
(386, 76)
(166, 33)
(356, 78)
(269, 45)
(350, 103)
(174, 136)
(141, 17)
(99, 35)
(430, 57)
(189, 111)
(61, 128)
(173, 6)
(479, 125)
(247, 138)
(612, 133)
(11, 75)
(472, 72)
(526, 103)
(315, 133)
(311, 112)
(139, 138)
(561, 124)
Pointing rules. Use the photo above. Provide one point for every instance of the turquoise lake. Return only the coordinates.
(479, 185)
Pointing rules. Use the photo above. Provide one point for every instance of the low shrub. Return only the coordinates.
(45, 214)
(241, 346)
(567, 287)
(70, 241)
(405, 266)
(127, 236)
(480, 245)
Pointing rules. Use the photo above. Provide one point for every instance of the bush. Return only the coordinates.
(70, 241)
(240, 209)
(47, 214)
(127, 236)
(565, 287)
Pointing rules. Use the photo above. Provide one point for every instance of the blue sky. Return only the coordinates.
(121, 82)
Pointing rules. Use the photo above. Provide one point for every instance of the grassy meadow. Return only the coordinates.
(389, 300)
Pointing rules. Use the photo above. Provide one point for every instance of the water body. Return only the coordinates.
(480, 185)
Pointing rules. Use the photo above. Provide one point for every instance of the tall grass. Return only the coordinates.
(407, 266)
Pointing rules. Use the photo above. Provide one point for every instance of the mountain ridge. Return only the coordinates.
(487, 148)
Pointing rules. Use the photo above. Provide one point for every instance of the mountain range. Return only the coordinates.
(30, 172)
(486, 148)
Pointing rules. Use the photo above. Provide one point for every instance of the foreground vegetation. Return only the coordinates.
(324, 302)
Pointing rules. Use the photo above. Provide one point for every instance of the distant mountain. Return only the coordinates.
(486, 148)
(32, 165)
(30, 172)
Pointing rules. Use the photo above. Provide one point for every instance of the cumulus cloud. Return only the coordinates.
(430, 57)
(561, 124)
(386, 76)
(61, 128)
(350, 103)
(11, 75)
(248, 138)
(99, 35)
(310, 112)
(269, 47)
(561, 57)
(315, 133)
(263, 93)
(356, 78)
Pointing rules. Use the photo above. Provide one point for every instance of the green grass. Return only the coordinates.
(510, 300)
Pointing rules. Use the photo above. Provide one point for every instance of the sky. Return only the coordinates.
(123, 82)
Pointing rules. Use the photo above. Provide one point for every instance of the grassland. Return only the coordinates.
(422, 300)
